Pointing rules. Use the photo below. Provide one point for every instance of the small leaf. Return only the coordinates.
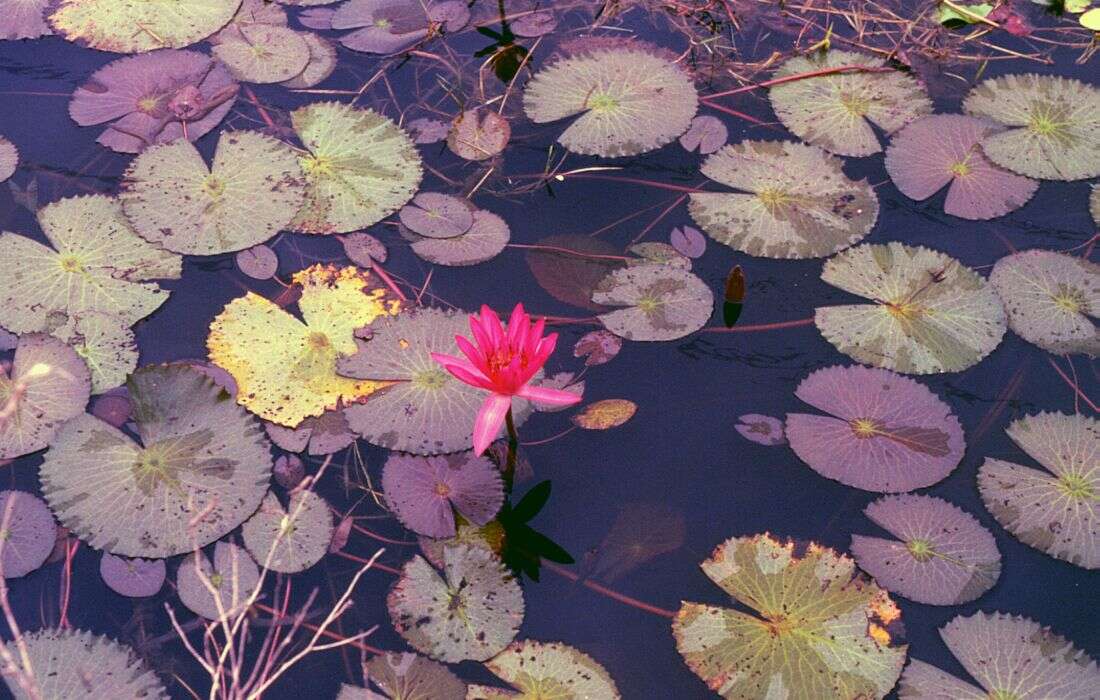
(950, 17)
(531, 503)
(605, 414)
(1091, 19)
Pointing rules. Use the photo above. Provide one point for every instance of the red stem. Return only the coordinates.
(313, 628)
(761, 326)
(604, 590)
(1072, 384)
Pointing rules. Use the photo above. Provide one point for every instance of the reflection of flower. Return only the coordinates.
(502, 363)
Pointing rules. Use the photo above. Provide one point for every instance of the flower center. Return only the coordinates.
(502, 358)
(920, 549)
(864, 427)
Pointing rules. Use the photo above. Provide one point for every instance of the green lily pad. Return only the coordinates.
(630, 99)
(263, 53)
(1053, 125)
(97, 263)
(254, 188)
(291, 539)
(930, 312)
(201, 468)
(360, 167)
(105, 344)
(547, 670)
(836, 111)
(794, 201)
(134, 26)
(662, 302)
(819, 628)
(1055, 509)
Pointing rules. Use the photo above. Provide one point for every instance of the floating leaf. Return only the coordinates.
(630, 99)
(605, 414)
(950, 17)
(201, 468)
(437, 215)
(217, 591)
(1055, 511)
(761, 429)
(258, 262)
(477, 135)
(97, 263)
(472, 611)
(360, 167)
(707, 134)
(134, 578)
(381, 26)
(819, 628)
(662, 302)
(49, 384)
(78, 664)
(322, 63)
(134, 27)
(9, 159)
(113, 407)
(453, 15)
(1050, 299)
(484, 240)
(426, 130)
(931, 313)
(942, 149)
(657, 252)
(598, 347)
(263, 53)
(569, 267)
(794, 201)
(253, 190)
(291, 539)
(547, 669)
(251, 12)
(317, 18)
(1053, 125)
(944, 556)
(884, 432)
(27, 533)
(285, 368)
(1009, 657)
(534, 24)
(489, 537)
(323, 435)
(424, 410)
(425, 492)
(105, 343)
(836, 111)
(23, 19)
(688, 241)
(288, 471)
(407, 676)
(148, 99)
(1091, 19)
(363, 249)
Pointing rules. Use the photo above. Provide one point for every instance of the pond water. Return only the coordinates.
(677, 479)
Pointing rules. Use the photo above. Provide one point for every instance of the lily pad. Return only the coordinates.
(78, 664)
(133, 578)
(478, 134)
(27, 533)
(836, 111)
(425, 492)
(472, 611)
(570, 266)
(640, 533)
(761, 429)
(220, 589)
(819, 629)
(407, 676)
(263, 53)
(363, 249)
(627, 99)
(1009, 657)
(155, 98)
(1055, 510)
(487, 236)
(930, 312)
(597, 347)
(548, 669)
(23, 19)
(943, 555)
(285, 368)
(794, 201)
(688, 241)
(291, 539)
(1051, 299)
(605, 414)
(381, 26)
(437, 215)
(322, 435)
(48, 385)
(134, 26)
(941, 150)
(1053, 125)
(706, 135)
(360, 167)
(201, 468)
(258, 262)
(662, 302)
(106, 345)
(322, 63)
(97, 263)
(424, 410)
(9, 159)
(884, 432)
(254, 188)
(426, 130)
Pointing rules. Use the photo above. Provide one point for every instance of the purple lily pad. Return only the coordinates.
(381, 26)
(437, 215)
(322, 434)
(9, 159)
(761, 429)
(289, 470)
(943, 149)
(452, 14)
(113, 407)
(23, 19)
(317, 18)
(363, 249)
(688, 241)
(478, 134)
(340, 535)
(422, 491)
(155, 97)
(27, 533)
(884, 432)
(706, 134)
(258, 262)
(534, 24)
(426, 130)
(8, 341)
(134, 578)
(598, 347)
(943, 555)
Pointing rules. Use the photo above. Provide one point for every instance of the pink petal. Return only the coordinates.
(554, 397)
(489, 420)
(475, 355)
(463, 371)
(517, 322)
(484, 342)
(490, 322)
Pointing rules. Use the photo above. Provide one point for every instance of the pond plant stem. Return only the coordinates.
(513, 446)
(610, 593)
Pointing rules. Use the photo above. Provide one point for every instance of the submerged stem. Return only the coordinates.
(513, 446)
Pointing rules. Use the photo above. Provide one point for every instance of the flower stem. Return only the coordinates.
(513, 446)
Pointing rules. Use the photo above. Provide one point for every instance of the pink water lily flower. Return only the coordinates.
(503, 363)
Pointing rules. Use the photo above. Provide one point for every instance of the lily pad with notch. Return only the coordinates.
(546, 669)
(425, 492)
(662, 302)
(217, 590)
(290, 539)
